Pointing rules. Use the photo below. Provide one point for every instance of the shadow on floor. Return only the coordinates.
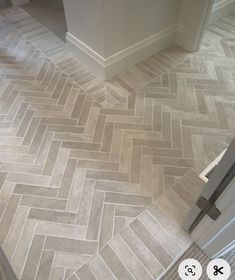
(50, 14)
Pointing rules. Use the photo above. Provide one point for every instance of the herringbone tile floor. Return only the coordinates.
(96, 177)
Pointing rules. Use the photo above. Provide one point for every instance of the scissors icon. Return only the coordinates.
(218, 270)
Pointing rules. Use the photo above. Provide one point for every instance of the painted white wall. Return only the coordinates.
(127, 22)
(111, 35)
(85, 22)
(109, 26)
(193, 19)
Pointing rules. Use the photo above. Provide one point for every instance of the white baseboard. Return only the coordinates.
(222, 9)
(120, 61)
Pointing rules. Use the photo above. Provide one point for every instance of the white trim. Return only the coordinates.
(85, 48)
(112, 65)
(211, 166)
(221, 9)
(193, 19)
(141, 44)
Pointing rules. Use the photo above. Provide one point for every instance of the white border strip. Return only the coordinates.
(105, 62)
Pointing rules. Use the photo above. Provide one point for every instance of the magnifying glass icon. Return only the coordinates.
(190, 270)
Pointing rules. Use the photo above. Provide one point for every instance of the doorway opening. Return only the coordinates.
(217, 22)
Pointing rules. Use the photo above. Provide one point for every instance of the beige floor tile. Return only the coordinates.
(71, 245)
(130, 260)
(31, 266)
(23, 248)
(114, 263)
(151, 243)
(71, 261)
(142, 252)
(51, 216)
(16, 226)
(44, 269)
(100, 269)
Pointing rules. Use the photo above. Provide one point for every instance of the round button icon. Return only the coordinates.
(190, 269)
(218, 269)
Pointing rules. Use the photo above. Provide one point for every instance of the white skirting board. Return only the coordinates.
(122, 60)
(221, 9)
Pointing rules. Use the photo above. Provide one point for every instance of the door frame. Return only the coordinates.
(215, 238)
(217, 177)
